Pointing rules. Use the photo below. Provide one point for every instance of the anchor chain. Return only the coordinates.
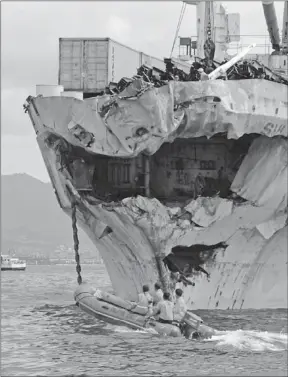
(76, 242)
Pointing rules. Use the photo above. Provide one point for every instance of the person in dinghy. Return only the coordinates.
(164, 309)
(144, 298)
(157, 294)
(167, 311)
(180, 307)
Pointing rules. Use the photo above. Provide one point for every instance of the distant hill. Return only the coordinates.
(32, 221)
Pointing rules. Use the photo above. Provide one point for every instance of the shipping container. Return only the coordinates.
(150, 60)
(159, 63)
(90, 64)
(185, 66)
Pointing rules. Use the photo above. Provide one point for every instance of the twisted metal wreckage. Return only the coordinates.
(170, 174)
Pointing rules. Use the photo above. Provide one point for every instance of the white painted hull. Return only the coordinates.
(252, 271)
(13, 267)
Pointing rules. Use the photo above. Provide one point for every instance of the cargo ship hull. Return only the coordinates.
(189, 175)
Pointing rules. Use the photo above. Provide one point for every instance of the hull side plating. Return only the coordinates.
(250, 270)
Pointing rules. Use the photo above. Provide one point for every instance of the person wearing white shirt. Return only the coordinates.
(144, 298)
(203, 75)
(165, 309)
(180, 307)
(157, 294)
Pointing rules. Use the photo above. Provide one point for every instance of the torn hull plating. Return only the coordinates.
(251, 270)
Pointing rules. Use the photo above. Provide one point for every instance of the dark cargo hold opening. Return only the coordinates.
(178, 171)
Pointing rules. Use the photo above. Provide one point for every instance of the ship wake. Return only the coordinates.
(243, 340)
(257, 341)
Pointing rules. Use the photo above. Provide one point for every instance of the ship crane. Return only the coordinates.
(278, 60)
(285, 28)
(215, 29)
(272, 24)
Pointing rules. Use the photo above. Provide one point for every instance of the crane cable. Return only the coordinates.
(178, 26)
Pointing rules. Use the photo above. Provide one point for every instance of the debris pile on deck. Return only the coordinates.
(199, 71)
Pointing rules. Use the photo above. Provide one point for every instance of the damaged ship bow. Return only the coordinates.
(187, 178)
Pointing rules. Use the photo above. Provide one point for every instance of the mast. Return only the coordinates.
(278, 58)
(205, 28)
(285, 27)
(215, 29)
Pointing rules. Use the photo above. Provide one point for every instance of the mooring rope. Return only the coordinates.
(76, 242)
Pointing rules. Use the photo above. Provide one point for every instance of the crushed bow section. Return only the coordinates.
(190, 179)
(143, 117)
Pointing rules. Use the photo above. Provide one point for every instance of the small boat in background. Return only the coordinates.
(9, 263)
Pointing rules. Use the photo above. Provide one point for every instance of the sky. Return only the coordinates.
(29, 52)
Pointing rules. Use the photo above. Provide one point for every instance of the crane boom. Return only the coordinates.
(285, 27)
(272, 24)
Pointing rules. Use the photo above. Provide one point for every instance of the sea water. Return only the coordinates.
(43, 333)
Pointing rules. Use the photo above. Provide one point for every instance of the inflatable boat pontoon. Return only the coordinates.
(113, 309)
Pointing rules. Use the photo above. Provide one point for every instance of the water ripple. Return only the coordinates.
(45, 334)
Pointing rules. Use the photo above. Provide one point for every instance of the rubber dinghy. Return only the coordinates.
(115, 310)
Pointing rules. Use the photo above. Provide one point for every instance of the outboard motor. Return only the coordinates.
(190, 324)
(192, 327)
